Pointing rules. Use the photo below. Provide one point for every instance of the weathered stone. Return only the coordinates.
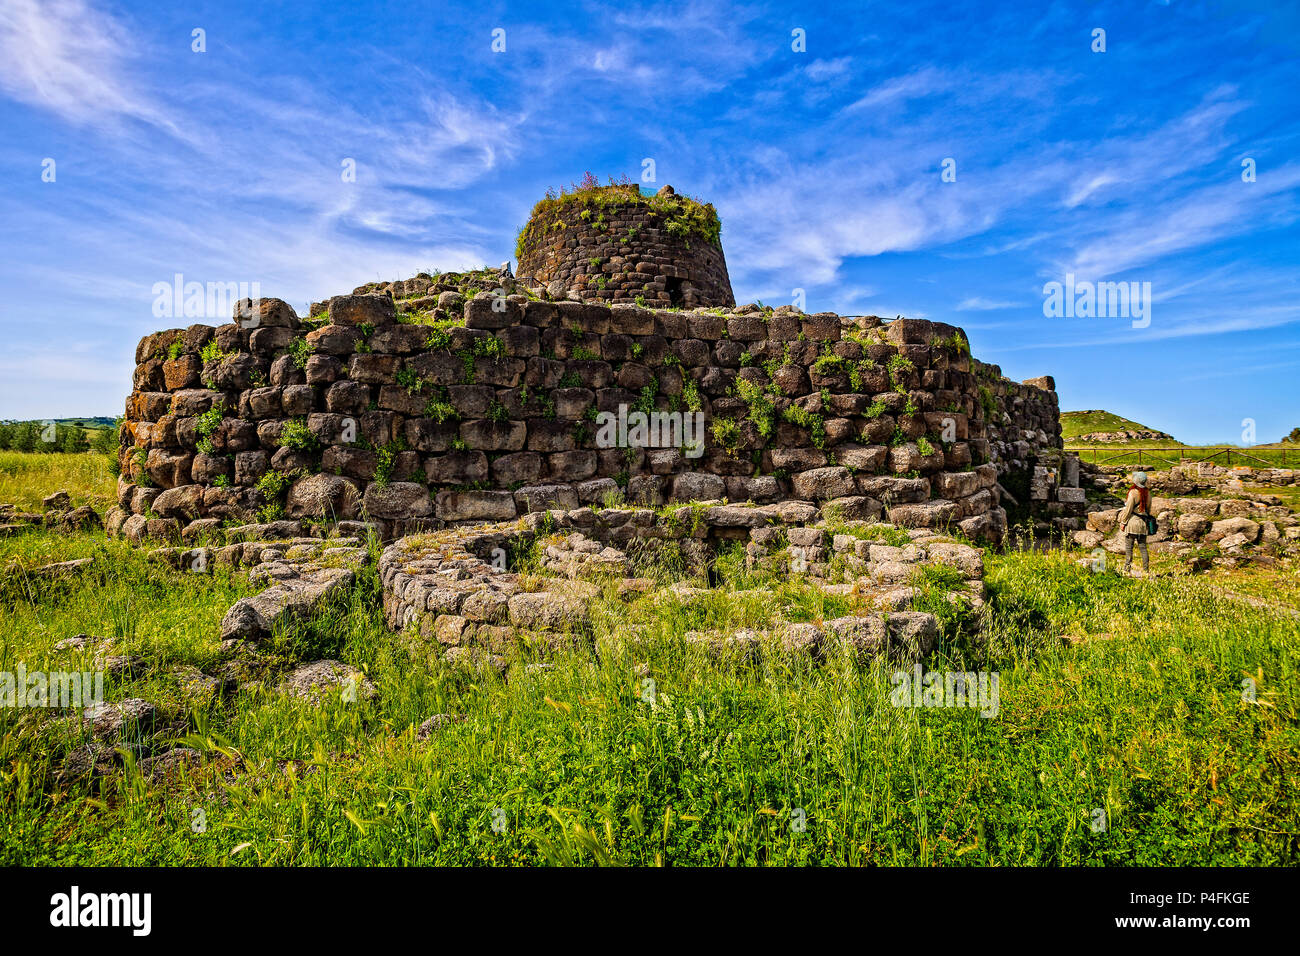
(544, 610)
(963, 557)
(546, 498)
(253, 618)
(457, 468)
(735, 516)
(59, 501)
(819, 484)
(486, 607)
(698, 486)
(398, 499)
(320, 679)
(438, 721)
(324, 496)
(1192, 526)
(864, 637)
(184, 502)
(1228, 526)
(487, 435)
(475, 505)
(359, 310)
(125, 718)
(912, 634)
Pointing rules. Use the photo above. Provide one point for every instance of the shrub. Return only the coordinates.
(294, 435)
(726, 432)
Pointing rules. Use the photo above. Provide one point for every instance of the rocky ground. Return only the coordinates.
(1124, 435)
(475, 594)
(1204, 513)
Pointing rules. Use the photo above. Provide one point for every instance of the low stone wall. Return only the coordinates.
(459, 588)
(438, 409)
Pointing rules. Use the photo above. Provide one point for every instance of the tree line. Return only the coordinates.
(53, 437)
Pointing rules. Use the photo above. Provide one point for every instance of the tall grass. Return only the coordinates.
(26, 478)
(654, 752)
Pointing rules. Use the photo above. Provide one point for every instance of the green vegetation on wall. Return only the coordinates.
(682, 216)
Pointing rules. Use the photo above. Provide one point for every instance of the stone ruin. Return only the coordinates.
(464, 419)
(612, 244)
(491, 410)
(442, 399)
(580, 406)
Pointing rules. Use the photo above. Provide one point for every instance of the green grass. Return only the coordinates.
(1074, 424)
(26, 478)
(575, 766)
(1150, 453)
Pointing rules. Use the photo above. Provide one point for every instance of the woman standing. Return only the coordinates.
(1132, 520)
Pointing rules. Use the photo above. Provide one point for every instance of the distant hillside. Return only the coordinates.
(89, 422)
(97, 421)
(1076, 424)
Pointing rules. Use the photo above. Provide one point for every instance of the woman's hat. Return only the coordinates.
(1140, 478)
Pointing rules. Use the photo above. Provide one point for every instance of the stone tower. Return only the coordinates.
(614, 244)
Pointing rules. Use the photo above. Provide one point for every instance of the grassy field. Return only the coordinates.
(1116, 695)
(1167, 454)
(1164, 453)
(26, 478)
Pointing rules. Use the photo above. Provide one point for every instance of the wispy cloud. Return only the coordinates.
(67, 57)
(977, 303)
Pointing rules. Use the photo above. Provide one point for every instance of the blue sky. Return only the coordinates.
(825, 166)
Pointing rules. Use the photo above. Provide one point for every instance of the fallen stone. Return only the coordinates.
(254, 617)
(170, 764)
(436, 723)
(912, 634)
(318, 679)
(129, 717)
(59, 501)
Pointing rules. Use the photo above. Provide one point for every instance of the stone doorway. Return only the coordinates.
(676, 294)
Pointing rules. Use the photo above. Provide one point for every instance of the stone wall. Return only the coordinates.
(457, 589)
(612, 245)
(484, 408)
(1023, 419)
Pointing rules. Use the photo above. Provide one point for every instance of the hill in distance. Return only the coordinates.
(1076, 424)
(89, 422)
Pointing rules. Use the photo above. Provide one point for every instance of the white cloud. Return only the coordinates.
(820, 70)
(67, 57)
(897, 91)
(1139, 235)
(978, 303)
